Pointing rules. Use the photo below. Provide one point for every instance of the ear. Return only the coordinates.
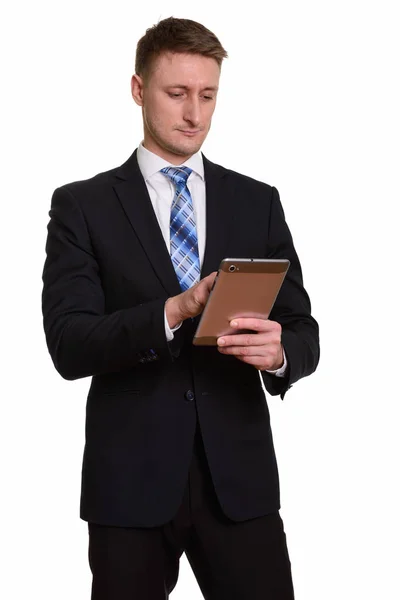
(137, 89)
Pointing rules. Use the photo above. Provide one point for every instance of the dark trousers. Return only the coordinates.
(231, 561)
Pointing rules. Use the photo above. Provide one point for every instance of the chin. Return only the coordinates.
(185, 149)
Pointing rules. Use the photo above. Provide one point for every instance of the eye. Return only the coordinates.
(174, 95)
(208, 97)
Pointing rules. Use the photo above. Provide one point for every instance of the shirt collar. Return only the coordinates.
(150, 163)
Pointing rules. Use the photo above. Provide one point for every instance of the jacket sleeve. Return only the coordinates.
(292, 309)
(82, 339)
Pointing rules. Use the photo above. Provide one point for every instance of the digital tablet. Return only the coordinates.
(243, 287)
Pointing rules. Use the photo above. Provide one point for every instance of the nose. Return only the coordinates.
(192, 112)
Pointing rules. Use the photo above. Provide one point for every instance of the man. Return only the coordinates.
(179, 453)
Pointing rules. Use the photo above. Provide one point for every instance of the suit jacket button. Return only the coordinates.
(189, 395)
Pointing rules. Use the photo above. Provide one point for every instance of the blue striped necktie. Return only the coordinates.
(183, 237)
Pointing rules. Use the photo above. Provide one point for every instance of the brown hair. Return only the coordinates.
(176, 35)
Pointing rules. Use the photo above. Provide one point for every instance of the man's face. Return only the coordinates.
(178, 100)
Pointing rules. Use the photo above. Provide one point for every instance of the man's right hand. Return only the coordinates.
(190, 303)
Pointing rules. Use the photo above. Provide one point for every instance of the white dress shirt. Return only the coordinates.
(162, 191)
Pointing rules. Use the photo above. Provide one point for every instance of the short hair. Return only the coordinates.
(176, 35)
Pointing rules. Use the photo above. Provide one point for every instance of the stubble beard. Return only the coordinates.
(182, 150)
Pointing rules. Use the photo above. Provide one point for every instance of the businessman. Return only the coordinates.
(179, 454)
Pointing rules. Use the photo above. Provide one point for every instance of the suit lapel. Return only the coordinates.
(218, 216)
(133, 195)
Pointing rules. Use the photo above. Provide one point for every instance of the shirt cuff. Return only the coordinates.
(282, 370)
(168, 331)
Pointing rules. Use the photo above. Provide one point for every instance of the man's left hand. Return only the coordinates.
(262, 349)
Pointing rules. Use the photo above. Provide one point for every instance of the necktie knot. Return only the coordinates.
(179, 175)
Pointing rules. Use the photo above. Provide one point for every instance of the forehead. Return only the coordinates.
(173, 68)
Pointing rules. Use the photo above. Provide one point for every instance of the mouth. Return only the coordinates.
(189, 133)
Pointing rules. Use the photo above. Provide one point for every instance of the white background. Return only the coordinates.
(309, 103)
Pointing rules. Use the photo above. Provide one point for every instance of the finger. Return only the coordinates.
(211, 278)
(247, 339)
(248, 351)
(209, 281)
(254, 324)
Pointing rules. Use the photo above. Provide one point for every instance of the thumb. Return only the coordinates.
(210, 279)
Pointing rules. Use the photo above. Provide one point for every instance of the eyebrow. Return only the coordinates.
(211, 88)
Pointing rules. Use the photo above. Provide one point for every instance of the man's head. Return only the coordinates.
(178, 64)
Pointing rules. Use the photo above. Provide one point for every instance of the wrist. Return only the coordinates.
(280, 361)
(282, 370)
(173, 313)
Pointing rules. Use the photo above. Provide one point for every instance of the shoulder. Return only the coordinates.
(99, 188)
(242, 186)
(238, 179)
(91, 184)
